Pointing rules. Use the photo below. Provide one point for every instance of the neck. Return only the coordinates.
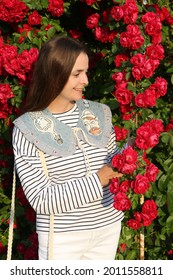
(60, 107)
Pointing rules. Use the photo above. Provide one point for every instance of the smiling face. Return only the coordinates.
(73, 89)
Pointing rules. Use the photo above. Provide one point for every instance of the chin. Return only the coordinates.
(78, 97)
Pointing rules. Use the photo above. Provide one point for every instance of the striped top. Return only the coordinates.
(76, 198)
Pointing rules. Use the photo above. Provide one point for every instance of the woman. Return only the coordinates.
(77, 141)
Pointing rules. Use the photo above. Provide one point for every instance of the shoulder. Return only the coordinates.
(21, 118)
(96, 105)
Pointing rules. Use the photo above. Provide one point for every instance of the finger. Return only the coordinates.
(118, 175)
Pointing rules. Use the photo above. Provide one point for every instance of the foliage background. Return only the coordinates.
(25, 31)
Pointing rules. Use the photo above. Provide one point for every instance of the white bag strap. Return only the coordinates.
(50, 246)
(11, 224)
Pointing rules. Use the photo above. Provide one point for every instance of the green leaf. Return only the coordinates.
(161, 183)
(162, 237)
(51, 32)
(37, 42)
(171, 141)
(161, 200)
(172, 79)
(169, 225)
(131, 87)
(114, 49)
(131, 255)
(169, 70)
(165, 137)
(170, 197)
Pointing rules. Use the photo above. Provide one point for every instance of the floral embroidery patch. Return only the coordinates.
(91, 122)
(44, 124)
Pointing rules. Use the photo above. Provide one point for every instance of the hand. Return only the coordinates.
(106, 174)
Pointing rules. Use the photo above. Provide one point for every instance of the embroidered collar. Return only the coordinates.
(56, 138)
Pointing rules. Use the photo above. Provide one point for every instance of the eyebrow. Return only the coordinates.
(79, 70)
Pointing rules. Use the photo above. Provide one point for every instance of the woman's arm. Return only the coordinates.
(44, 195)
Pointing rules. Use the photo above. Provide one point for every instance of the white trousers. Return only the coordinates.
(100, 244)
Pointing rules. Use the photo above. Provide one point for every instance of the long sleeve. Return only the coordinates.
(113, 149)
(45, 195)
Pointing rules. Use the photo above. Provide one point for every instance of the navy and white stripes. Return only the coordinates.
(77, 201)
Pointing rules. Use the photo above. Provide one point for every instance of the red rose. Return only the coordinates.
(132, 38)
(137, 72)
(124, 40)
(170, 252)
(9, 54)
(106, 15)
(156, 125)
(119, 77)
(130, 155)
(156, 39)
(149, 67)
(163, 13)
(34, 18)
(150, 97)
(9, 51)
(119, 59)
(102, 34)
(121, 202)
(123, 247)
(124, 186)
(140, 100)
(133, 30)
(13, 11)
(150, 17)
(136, 42)
(138, 59)
(169, 126)
(114, 185)
(151, 172)
(143, 133)
(24, 61)
(5, 93)
(160, 86)
(33, 55)
(130, 158)
(123, 95)
(134, 224)
(148, 134)
(146, 220)
(130, 11)
(117, 162)
(117, 12)
(90, 2)
(128, 168)
(56, 7)
(75, 33)
(141, 184)
(155, 52)
(120, 133)
(153, 28)
(137, 216)
(150, 207)
(112, 36)
(92, 21)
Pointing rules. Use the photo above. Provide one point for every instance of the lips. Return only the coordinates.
(78, 89)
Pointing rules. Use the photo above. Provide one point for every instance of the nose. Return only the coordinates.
(84, 79)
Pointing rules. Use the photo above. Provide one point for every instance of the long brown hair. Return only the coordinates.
(52, 70)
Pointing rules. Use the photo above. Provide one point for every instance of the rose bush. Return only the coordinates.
(131, 70)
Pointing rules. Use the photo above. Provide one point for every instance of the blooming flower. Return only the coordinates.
(34, 18)
(56, 7)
